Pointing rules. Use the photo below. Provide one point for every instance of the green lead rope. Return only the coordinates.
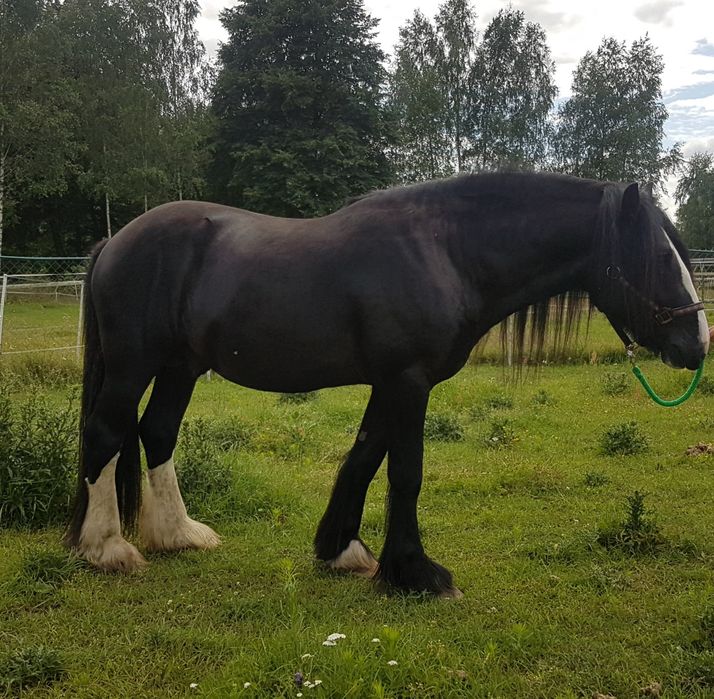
(668, 403)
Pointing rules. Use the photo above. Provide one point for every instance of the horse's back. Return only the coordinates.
(281, 304)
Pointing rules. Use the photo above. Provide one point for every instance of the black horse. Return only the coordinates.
(393, 290)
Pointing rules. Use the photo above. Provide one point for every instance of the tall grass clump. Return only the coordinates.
(624, 439)
(30, 667)
(212, 489)
(615, 383)
(45, 371)
(298, 398)
(638, 533)
(442, 427)
(38, 451)
(706, 386)
(202, 474)
(501, 434)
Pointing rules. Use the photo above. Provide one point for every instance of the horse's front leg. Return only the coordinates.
(403, 564)
(337, 541)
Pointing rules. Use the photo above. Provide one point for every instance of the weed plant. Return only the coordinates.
(30, 667)
(596, 479)
(38, 451)
(501, 434)
(443, 427)
(500, 401)
(615, 383)
(201, 473)
(298, 398)
(706, 386)
(542, 397)
(638, 533)
(624, 439)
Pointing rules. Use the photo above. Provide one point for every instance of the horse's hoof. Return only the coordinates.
(356, 559)
(190, 534)
(112, 555)
(451, 593)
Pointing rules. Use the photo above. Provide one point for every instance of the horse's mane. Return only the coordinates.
(549, 329)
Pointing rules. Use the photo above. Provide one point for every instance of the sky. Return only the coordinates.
(682, 31)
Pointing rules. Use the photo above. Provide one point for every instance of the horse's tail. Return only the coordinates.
(92, 380)
(128, 469)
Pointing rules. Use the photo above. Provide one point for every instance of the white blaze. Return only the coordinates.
(689, 286)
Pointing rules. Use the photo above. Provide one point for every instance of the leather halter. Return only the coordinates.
(663, 315)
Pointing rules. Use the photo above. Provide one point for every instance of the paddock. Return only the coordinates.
(518, 490)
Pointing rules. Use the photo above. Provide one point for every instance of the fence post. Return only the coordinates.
(81, 320)
(3, 298)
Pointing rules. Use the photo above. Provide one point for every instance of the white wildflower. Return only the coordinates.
(376, 640)
(316, 682)
(392, 662)
(329, 643)
(193, 685)
(336, 636)
(299, 694)
(304, 656)
(246, 685)
(309, 684)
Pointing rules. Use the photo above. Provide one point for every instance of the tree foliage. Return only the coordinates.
(457, 35)
(419, 103)
(298, 102)
(108, 107)
(612, 127)
(38, 105)
(462, 104)
(103, 114)
(512, 93)
(695, 199)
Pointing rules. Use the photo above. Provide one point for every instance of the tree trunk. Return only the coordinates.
(2, 195)
(106, 210)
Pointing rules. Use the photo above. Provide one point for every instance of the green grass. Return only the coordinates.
(547, 612)
(45, 324)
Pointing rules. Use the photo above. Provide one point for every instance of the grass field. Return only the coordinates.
(515, 506)
(45, 324)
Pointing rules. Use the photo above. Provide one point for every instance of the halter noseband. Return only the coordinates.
(663, 315)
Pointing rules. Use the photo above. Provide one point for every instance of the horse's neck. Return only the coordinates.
(526, 256)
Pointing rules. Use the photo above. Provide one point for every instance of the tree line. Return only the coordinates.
(110, 107)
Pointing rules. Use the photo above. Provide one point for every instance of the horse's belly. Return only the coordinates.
(286, 364)
(289, 376)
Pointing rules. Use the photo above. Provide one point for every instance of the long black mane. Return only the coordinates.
(550, 327)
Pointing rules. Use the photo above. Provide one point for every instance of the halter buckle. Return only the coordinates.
(664, 316)
(630, 351)
(613, 272)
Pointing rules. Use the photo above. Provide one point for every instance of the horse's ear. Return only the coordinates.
(648, 189)
(630, 203)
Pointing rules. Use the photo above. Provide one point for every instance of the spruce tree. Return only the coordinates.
(300, 116)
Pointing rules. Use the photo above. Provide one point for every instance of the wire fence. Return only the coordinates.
(41, 311)
(41, 301)
(55, 268)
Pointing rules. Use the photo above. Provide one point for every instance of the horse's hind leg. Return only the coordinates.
(337, 540)
(97, 534)
(164, 524)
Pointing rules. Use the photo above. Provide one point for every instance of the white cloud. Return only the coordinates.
(657, 12)
(698, 145)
